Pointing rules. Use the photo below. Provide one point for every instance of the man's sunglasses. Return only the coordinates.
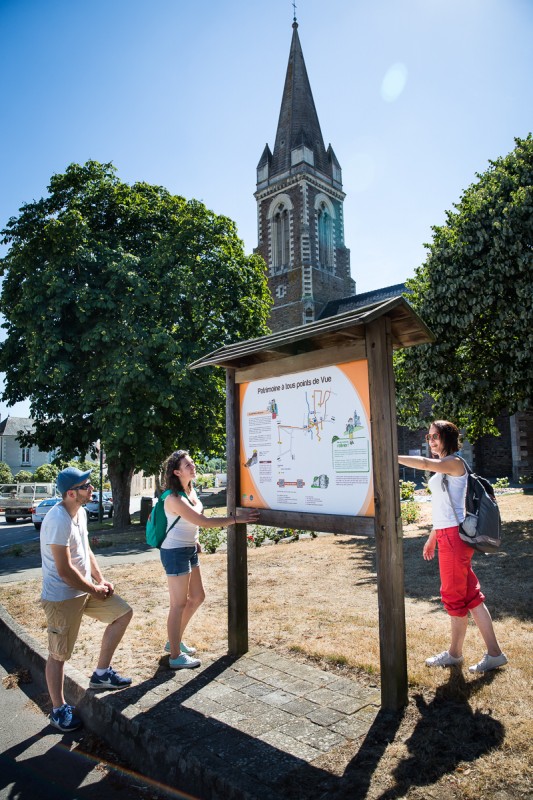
(82, 488)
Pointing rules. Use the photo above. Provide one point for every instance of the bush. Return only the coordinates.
(6, 476)
(23, 476)
(407, 490)
(204, 481)
(410, 512)
(212, 538)
(501, 483)
(47, 473)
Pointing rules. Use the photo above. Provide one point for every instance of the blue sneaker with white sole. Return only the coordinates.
(109, 680)
(64, 718)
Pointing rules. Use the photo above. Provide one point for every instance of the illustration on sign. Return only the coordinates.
(305, 441)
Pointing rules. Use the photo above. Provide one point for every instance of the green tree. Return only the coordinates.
(110, 291)
(46, 473)
(6, 476)
(23, 476)
(474, 292)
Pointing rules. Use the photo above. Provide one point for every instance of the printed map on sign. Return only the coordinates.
(305, 441)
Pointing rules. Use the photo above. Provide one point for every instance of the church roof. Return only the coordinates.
(355, 301)
(298, 115)
(336, 332)
(266, 157)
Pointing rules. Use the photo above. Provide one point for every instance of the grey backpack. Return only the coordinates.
(482, 525)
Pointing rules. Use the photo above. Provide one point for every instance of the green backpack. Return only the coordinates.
(156, 525)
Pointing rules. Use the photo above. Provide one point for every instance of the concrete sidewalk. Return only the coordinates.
(260, 727)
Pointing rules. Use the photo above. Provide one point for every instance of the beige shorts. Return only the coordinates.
(64, 619)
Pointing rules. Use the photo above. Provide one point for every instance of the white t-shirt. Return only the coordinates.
(59, 528)
(441, 508)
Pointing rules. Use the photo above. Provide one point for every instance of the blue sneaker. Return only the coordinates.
(184, 648)
(64, 719)
(109, 680)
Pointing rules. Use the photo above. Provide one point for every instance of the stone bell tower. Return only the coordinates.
(300, 208)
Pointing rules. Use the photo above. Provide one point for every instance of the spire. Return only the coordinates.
(298, 121)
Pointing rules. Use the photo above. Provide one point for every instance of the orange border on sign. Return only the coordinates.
(357, 374)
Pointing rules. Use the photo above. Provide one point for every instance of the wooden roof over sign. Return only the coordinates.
(407, 330)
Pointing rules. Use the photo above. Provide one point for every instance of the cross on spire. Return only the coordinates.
(294, 10)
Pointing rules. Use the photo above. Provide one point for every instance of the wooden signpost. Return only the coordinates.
(362, 339)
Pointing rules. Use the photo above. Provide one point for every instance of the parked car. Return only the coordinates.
(39, 511)
(92, 506)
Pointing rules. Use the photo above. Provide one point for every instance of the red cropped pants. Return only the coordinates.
(460, 590)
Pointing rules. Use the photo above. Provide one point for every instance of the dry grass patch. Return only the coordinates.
(462, 736)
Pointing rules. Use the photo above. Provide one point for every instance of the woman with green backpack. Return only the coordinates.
(179, 552)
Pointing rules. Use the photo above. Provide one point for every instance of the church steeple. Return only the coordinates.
(300, 208)
(298, 136)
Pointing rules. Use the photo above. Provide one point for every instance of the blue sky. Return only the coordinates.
(415, 96)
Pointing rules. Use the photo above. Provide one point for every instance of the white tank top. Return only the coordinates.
(441, 500)
(183, 534)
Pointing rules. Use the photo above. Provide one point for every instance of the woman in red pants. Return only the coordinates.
(460, 590)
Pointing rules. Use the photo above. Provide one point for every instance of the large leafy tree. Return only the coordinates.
(110, 291)
(475, 292)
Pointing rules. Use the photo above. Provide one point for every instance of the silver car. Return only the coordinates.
(92, 506)
(40, 511)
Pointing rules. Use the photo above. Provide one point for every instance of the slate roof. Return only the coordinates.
(352, 303)
(10, 426)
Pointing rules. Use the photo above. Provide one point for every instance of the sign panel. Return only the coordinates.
(305, 442)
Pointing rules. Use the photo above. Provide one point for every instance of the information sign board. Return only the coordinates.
(305, 441)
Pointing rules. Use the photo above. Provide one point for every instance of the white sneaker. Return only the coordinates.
(489, 662)
(183, 661)
(444, 660)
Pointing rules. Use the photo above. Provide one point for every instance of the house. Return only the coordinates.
(13, 453)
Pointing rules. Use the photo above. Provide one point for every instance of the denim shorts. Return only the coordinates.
(179, 560)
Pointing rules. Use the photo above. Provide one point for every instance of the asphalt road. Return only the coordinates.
(21, 532)
(38, 761)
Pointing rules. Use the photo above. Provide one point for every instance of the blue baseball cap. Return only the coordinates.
(70, 477)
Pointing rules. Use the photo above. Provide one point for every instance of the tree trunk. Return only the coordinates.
(120, 478)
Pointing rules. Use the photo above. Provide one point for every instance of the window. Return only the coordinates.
(280, 238)
(325, 238)
(281, 291)
(25, 456)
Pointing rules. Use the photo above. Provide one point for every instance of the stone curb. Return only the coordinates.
(189, 768)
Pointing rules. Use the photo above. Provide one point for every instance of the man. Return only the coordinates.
(72, 586)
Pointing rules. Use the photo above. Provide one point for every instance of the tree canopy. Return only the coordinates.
(475, 292)
(110, 291)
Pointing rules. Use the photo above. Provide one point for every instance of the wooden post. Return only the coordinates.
(388, 525)
(237, 552)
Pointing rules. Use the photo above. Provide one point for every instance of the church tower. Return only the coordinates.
(300, 208)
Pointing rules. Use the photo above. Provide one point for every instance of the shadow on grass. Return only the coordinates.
(502, 575)
(448, 732)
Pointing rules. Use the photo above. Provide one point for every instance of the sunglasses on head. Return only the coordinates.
(432, 436)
